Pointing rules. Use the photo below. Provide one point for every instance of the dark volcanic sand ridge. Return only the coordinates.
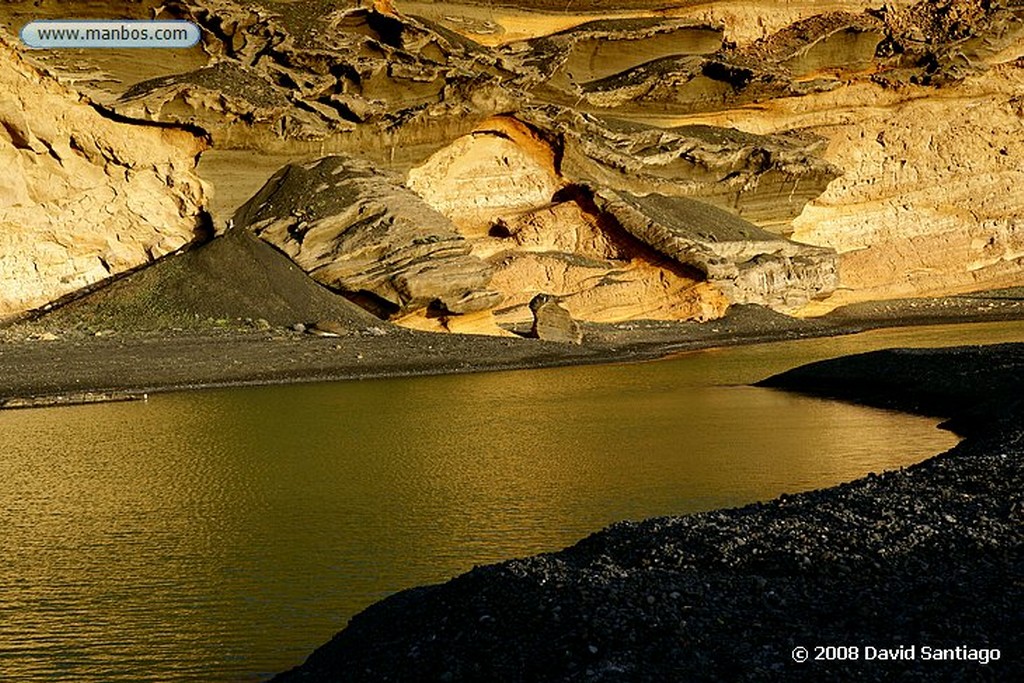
(232, 278)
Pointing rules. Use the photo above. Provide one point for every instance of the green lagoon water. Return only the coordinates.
(223, 535)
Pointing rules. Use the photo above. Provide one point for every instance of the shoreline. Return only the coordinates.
(928, 556)
(41, 367)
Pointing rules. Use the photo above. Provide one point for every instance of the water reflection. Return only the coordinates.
(222, 535)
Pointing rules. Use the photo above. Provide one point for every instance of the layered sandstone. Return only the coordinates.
(502, 167)
(766, 179)
(511, 21)
(640, 165)
(84, 195)
(284, 74)
(356, 231)
(748, 264)
(929, 201)
(503, 187)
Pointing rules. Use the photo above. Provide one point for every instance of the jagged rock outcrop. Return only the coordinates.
(887, 134)
(567, 61)
(766, 179)
(828, 45)
(503, 189)
(748, 264)
(83, 194)
(309, 71)
(500, 186)
(663, 66)
(930, 42)
(934, 43)
(551, 322)
(928, 203)
(358, 232)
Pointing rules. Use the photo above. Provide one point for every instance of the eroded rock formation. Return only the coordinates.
(748, 264)
(358, 232)
(283, 73)
(928, 203)
(766, 179)
(84, 196)
(501, 167)
(551, 322)
(650, 164)
(504, 189)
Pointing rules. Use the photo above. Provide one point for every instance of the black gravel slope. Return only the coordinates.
(232, 278)
(929, 557)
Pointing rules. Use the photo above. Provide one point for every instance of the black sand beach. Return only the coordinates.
(111, 346)
(913, 574)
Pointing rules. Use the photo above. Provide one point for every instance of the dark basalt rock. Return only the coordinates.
(232, 278)
(358, 231)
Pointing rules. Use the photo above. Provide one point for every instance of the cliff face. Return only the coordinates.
(82, 195)
(928, 202)
(287, 74)
(658, 164)
(746, 263)
(932, 202)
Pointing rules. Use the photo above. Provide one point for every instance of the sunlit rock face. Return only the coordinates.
(917, 108)
(502, 186)
(599, 272)
(500, 168)
(929, 201)
(932, 203)
(358, 232)
(746, 263)
(766, 179)
(800, 155)
(84, 196)
(288, 74)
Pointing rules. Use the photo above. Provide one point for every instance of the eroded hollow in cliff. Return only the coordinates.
(502, 188)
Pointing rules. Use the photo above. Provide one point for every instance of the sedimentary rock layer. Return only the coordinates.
(748, 264)
(929, 201)
(503, 189)
(499, 169)
(888, 134)
(357, 231)
(83, 194)
(316, 69)
(766, 179)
